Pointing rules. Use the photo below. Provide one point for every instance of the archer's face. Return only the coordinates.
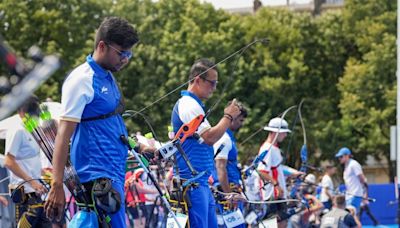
(343, 159)
(115, 59)
(208, 84)
(281, 136)
(237, 123)
(112, 56)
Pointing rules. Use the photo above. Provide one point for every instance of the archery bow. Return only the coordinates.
(259, 158)
(303, 157)
(240, 52)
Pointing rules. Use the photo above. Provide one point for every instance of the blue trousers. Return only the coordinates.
(202, 212)
(355, 201)
(118, 218)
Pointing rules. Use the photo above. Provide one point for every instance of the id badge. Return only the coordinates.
(233, 219)
(251, 218)
(182, 219)
(270, 223)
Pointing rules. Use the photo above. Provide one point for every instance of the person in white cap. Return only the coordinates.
(354, 179)
(271, 170)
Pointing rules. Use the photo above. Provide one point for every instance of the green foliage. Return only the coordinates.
(341, 62)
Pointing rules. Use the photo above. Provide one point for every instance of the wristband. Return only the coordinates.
(228, 116)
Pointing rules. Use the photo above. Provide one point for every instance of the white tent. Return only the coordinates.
(10, 122)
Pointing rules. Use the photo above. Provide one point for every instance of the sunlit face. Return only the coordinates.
(281, 136)
(208, 84)
(343, 159)
(332, 171)
(116, 57)
(237, 123)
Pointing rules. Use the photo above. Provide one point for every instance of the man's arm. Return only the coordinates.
(11, 164)
(222, 173)
(3, 201)
(362, 178)
(363, 181)
(213, 134)
(54, 205)
(266, 177)
(328, 192)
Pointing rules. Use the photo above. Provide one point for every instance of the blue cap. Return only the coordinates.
(343, 151)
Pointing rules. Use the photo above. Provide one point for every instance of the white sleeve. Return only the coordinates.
(325, 182)
(189, 109)
(266, 164)
(225, 144)
(357, 169)
(77, 91)
(13, 142)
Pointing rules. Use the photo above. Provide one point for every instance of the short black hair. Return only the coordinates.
(30, 106)
(199, 67)
(118, 31)
(242, 108)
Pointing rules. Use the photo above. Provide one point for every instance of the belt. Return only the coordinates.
(176, 184)
(31, 195)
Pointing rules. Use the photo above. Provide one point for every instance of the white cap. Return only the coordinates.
(310, 178)
(277, 124)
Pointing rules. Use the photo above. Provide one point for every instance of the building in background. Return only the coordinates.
(313, 6)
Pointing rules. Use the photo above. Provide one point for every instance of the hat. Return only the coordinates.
(310, 179)
(343, 151)
(277, 125)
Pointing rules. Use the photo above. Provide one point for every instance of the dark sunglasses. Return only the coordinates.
(213, 83)
(122, 54)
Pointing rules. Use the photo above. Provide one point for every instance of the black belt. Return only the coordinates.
(31, 195)
(118, 111)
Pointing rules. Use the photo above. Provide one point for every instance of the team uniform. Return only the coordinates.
(226, 149)
(21, 145)
(354, 187)
(272, 165)
(202, 212)
(88, 92)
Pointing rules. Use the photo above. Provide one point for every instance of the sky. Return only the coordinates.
(230, 4)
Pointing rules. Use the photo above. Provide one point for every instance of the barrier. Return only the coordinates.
(7, 214)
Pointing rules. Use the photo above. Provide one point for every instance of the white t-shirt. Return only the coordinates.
(24, 148)
(326, 182)
(272, 159)
(148, 184)
(252, 184)
(351, 180)
(225, 143)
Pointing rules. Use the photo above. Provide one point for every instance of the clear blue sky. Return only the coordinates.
(229, 4)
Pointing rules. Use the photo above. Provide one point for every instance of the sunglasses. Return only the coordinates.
(122, 54)
(213, 83)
